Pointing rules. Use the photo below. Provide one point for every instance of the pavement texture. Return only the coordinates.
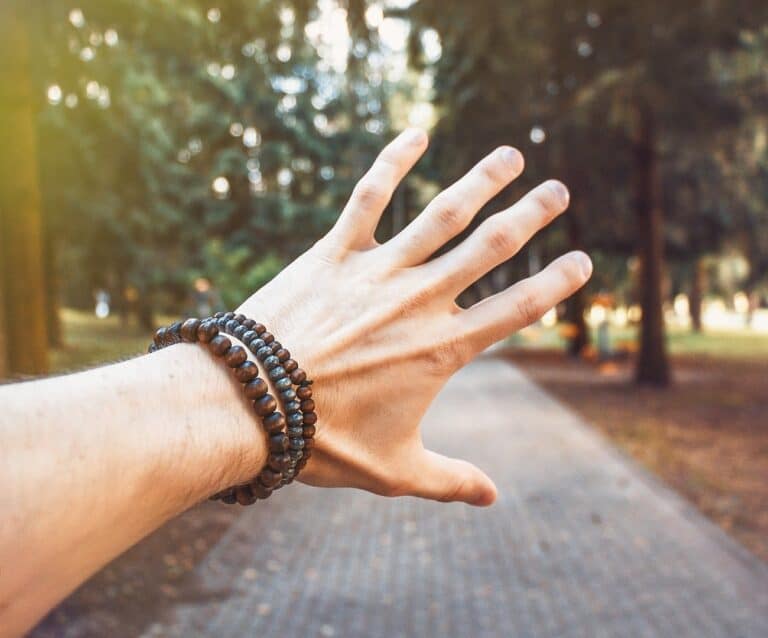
(581, 542)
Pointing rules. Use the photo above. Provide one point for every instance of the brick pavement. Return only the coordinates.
(581, 543)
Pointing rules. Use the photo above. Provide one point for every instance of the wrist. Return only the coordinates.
(217, 440)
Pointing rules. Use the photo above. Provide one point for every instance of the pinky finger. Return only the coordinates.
(520, 305)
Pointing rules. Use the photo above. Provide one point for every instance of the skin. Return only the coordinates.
(93, 462)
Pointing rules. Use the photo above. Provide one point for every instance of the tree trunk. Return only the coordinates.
(695, 298)
(652, 362)
(53, 317)
(575, 306)
(20, 204)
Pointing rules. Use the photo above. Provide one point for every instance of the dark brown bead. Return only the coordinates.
(310, 418)
(219, 314)
(220, 345)
(175, 330)
(304, 392)
(309, 443)
(235, 356)
(259, 491)
(256, 389)
(189, 330)
(159, 337)
(265, 405)
(308, 431)
(298, 375)
(283, 355)
(278, 462)
(275, 346)
(249, 324)
(228, 496)
(278, 442)
(274, 422)
(239, 318)
(290, 365)
(244, 495)
(246, 371)
(268, 337)
(228, 315)
(206, 331)
(260, 328)
(270, 478)
(307, 405)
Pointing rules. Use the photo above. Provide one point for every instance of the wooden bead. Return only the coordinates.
(159, 337)
(310, 418)
(295, 432)
(304, 393)
(256, 389)
(294, 419)
(229, 497)
(259, 490)
(206, 331)
(278, 442)
(219, 345)
(260, 328)
(248, 336)
(309, 443)
(307, 405)
(249, 324)
(277, 373)
(239, 318)
(278, 461)
(229, 315)
(288, 395)
(239, 332)
(256, 344)
(296, 444)
(290, 365)
(270, 478)
(218, 315)
(274, 422)
(292, 406)
(189, 330)
(246, 371)
(275, 345)
(244, 495)
(230, 326)
(298, 375)
(266, 405)
(308, 431)
(235, 356)
(283, 355)
(175, 330)
(268, 337)
(263, 353)
(271, 362)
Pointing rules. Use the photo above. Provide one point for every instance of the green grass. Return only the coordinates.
(743, 344)
(90, 341)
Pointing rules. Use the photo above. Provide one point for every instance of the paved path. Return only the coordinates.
(580, 543)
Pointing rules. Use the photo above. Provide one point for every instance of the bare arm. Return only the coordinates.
(91, 463)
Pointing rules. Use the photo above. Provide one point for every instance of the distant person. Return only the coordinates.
(102, 304)
(92, 462)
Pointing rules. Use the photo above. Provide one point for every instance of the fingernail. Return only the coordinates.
(415, 136)
(560, 191)
(585, 264)
(511, 156)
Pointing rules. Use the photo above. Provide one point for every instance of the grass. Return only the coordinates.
(89, 341)
(744, 344)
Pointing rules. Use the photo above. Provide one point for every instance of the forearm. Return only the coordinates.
(135, 444)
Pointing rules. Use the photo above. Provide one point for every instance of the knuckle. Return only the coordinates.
(528, 308)
(449, 215)
(503, 240)
(447, 356)
(551, 198)
(370, 194)
(494, 169)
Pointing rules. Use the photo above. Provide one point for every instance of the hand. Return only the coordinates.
(378, 329)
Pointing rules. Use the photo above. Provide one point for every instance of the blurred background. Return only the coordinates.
(159, 157)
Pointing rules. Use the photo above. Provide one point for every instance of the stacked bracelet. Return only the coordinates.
(290, 438)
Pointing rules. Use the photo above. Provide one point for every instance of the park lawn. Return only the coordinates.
(722, 343)
(706, 436)
(89, 341)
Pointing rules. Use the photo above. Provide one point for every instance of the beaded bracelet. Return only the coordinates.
(287, 451)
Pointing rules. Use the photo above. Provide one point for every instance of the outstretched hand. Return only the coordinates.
(378, 328)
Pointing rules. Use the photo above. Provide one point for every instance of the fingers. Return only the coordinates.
(357, 223)
(520, 305)
(500, 236)
(446, 479)
(453, 209)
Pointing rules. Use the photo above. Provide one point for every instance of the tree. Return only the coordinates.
(22, 292)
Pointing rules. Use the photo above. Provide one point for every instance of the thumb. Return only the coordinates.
(445, 479)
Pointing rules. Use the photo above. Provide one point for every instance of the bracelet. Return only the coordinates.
(284, 373)
(288, 451)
